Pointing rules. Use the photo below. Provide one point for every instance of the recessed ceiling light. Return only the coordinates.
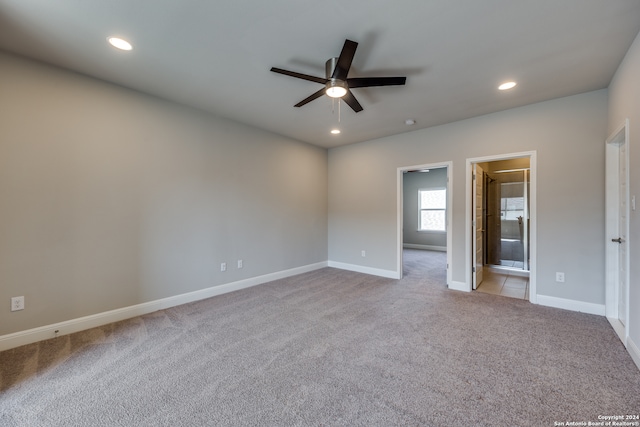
(409, 122)
(335, 131)
(507, 85)
(119, 43)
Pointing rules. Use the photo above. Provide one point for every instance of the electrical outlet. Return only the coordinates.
(364, 254)
(17, 303)
(560, 277)
(223, 266)
(239, 263)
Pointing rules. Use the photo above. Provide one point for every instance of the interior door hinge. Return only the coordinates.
(473, 269)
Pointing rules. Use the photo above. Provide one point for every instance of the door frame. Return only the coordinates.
(400, 213)
(533, 228)
(613, 143)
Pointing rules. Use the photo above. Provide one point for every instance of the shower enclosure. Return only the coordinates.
(507, 219)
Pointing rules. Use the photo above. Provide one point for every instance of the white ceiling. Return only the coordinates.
(216, 55)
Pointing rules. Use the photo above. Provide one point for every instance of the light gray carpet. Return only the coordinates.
(329, 348)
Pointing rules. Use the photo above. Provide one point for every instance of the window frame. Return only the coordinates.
(443, 210)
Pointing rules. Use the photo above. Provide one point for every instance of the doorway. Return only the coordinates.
(501, 225)
(424, 211)
(617, 230)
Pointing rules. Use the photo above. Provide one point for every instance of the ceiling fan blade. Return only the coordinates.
(310, 98)
(375, 81)
(344, 60)
(352, 102)
(299, 75)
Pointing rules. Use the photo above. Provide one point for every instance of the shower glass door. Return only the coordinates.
(507, 219)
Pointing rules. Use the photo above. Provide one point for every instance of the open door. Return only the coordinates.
(477, 226)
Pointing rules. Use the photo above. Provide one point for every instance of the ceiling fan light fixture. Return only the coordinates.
(336, 88)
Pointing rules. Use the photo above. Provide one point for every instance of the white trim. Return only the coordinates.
(424, 247)
(533, 229)
(82, 323)
(618, 327)
(400, 219)
(573, 305)
(366, 270)
(459, 286)
(634, 351)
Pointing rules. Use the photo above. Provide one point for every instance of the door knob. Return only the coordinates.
(618, 240)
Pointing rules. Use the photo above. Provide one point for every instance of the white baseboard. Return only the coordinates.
(631, 346)
(75, 325)
(366, 270)
(619, 329)
(459, 286)
(634, 351)
(573, 305)
(424, 247)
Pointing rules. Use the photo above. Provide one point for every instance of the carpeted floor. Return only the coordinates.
(329, 348)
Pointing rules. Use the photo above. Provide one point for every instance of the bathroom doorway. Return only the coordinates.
(501, 239)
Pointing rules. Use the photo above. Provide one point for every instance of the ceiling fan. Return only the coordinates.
(337, 84)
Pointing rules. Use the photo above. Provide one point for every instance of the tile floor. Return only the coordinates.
(511, 263)
(505, 284)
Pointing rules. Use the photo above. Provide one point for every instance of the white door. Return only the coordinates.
(617, 231)
(476, 226)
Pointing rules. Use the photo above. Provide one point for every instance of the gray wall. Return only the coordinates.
(412, 182)
(624, 102)
(110, 198)
(568, 135)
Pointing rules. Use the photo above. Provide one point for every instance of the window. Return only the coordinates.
(512, 208)
(512, 201)
(432, 205)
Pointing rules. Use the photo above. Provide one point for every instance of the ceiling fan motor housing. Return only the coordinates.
(335, 88)
(329, 66)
